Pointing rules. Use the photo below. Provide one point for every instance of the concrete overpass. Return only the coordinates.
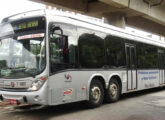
(148, 15)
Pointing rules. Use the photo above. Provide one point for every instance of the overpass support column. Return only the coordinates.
(115, 19)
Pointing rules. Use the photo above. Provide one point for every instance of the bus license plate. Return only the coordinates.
(13, 101)
(22, 84)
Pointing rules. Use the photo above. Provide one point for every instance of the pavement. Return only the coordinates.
(4, 104)
(142, 105)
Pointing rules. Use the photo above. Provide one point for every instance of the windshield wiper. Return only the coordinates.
(31, 74)
(23, 69)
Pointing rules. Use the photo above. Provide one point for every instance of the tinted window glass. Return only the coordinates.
(140, 55)
(115, 51)
(128, 57)
(91, 51)
(147, 56)
(62, 49)
(133, 57)
(161, 56)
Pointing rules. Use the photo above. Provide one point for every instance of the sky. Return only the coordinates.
(10, 7)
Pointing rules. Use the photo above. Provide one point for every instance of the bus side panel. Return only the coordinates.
(147, 79)
(72, 86)
(123, 76)
(66, 87)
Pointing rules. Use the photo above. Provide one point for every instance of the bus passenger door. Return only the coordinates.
(131, 66)
(161, 66)
(62, 82)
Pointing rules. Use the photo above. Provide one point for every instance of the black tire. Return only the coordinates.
(96, 86)
(113, 95)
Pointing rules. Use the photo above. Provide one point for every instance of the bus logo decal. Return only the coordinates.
(68, 92)
(68, 76)
(12, 84)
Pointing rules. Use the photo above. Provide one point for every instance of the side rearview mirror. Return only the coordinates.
(56, 29)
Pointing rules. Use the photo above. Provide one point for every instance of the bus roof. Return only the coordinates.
(78, 17)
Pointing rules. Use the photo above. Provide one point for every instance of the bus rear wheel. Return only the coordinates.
(96, 94)
(113, 92)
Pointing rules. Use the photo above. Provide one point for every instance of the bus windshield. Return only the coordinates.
(22, 53)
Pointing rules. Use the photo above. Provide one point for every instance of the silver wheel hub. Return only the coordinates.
(113, 90)
(96, 93)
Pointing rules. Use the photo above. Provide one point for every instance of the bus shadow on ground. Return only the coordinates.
(55, 111)
(47, 112)
(141, 93)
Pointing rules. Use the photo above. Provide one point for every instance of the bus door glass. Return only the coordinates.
(131, 66)
(161, 66)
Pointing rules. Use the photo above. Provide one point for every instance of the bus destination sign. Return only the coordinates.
(29, 24)
(25, 25)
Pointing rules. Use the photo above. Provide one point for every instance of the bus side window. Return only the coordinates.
(62, 49)
(115, 51)
(91, 51)
(147, 56)
(58, 52)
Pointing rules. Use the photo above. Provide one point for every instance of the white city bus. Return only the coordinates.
(51, 58)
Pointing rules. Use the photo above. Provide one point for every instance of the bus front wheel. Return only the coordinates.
(96, 94)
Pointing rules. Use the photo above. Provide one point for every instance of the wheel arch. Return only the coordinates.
(99, 77)
(118, 78)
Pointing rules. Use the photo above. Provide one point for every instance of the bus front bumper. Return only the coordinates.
(36, 97)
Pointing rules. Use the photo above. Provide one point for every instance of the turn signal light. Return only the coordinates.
(43, 78)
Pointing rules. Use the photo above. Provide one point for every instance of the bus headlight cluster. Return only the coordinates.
(37, 84)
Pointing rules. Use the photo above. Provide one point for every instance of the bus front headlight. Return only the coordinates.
(37, 84)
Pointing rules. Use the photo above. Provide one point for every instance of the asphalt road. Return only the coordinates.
(143, 105)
